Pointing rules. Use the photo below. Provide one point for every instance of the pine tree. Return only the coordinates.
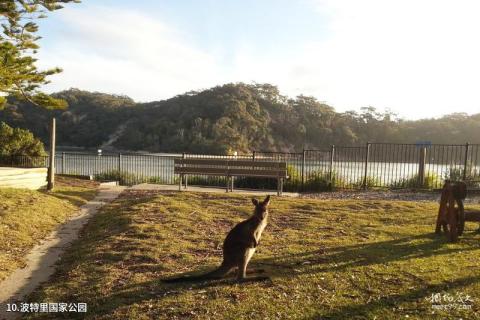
(19, 77)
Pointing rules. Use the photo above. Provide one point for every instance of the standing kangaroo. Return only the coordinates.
(238, 247)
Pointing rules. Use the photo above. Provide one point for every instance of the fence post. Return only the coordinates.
(51, 167)
(421, 166)
(466, 162)
(181, 176)
(63, 162)
(367, 158)
(332, 158)
(119, 163)
(303, 169)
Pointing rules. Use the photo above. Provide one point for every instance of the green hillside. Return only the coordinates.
(241, 117)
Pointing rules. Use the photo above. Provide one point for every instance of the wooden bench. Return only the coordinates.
(230, 168)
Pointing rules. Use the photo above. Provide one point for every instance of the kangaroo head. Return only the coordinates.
(261, 208)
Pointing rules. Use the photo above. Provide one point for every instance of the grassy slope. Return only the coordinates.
(340, 259)
(27, 216)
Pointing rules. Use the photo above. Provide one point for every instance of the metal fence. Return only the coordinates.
(20, 161)
(128, 169)
(374, 165)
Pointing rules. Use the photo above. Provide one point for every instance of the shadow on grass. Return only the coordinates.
(383, 252)
(364, 311)
(75, 197)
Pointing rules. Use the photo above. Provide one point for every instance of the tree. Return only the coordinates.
(19, 142)
(19, 77)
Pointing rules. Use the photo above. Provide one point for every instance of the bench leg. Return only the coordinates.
(281, 187)
(180, 183)
(232, 181)
(228, 183)
(186, 181)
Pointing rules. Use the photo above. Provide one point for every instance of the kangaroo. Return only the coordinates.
(238, 247)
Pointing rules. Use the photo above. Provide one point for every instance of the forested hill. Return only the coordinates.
(231, 117)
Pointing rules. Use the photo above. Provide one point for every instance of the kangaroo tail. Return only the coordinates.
(218, 273)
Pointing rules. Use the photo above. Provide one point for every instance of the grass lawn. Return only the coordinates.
(328, 259)
(27, 216)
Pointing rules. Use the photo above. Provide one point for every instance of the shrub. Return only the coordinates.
(456, 174)
(126, 178)
(19, 142)
(430, 181)
(18, 147)
(372, 182)
(206, 181)
(320, 181)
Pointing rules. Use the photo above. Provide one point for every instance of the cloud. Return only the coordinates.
(125, 52)
(418, 58)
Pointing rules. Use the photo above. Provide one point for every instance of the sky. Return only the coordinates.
(417, 58)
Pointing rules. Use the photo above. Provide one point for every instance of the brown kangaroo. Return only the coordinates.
(238, 247)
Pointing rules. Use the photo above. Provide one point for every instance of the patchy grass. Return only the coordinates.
(328, 259)
(27, 216)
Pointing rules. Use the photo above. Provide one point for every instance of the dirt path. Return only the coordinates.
(42, 258)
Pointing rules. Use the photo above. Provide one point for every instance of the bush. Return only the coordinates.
(320, 181)
(207, 181)
(19, 142)
(372, 182)
(456, 174)
(126, 178)
(18, 147)
(430, 181)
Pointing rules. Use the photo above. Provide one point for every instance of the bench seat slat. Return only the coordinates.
(262, 173)
(232, 172)
(208, 162)
(200, 170)
(260, 164)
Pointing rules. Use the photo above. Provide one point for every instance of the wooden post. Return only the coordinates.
(181, 176)
(119, 163)
(51, 167)
(450, 218)
(278, 186)
(184, 156)
(367, 157)
(63, 162)
(465, 165)
(421, 166)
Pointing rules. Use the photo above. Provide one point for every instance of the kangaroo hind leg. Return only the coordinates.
(243, 263)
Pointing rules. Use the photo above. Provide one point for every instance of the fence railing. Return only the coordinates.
(21, 161)
(374, 165)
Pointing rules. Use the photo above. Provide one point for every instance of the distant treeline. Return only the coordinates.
(233, 117)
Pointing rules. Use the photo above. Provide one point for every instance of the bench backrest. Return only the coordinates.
(231, 167)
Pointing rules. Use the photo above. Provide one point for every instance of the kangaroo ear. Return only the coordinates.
(255, 202)
(266, 202)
